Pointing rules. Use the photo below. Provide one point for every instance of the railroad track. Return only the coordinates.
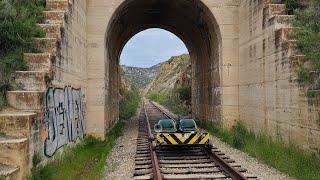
(179, 162)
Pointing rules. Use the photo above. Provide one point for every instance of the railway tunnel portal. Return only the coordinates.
(197, 23)
(243, 68)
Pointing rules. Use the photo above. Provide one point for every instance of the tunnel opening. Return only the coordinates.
(194, 24)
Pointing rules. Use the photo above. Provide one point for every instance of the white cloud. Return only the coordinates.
(151, 47)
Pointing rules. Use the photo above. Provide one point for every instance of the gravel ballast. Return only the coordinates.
(261, 170)
(120, 162)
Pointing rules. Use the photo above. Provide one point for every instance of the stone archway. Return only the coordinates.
(192, 21)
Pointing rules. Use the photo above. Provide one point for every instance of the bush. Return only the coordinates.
(129, 104)
(184, 93)
(171, 100)
(18, 26)
(307, 35)
(155, 96)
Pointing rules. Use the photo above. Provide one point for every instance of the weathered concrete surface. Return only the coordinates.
(208, 29)
(270, 98)
(48, 104)
(242, 69)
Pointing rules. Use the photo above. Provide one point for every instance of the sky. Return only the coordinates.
(151, 47)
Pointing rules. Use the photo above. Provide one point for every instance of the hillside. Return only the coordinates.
(172, 86)
(140, 77)
(173, 74)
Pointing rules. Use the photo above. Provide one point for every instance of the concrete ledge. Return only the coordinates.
(17, 124)
(26, 100)
(39, 61)
(32, 80)
(8, 172)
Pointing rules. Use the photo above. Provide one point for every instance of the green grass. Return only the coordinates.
(18, 28)
(288, 158)
(172, 100)
(82, 161)
(87, 159)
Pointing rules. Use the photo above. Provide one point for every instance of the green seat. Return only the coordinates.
(168, 125)
(188, 125)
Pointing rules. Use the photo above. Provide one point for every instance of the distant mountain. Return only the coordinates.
(141, 77)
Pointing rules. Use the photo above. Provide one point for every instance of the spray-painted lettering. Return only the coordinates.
(64, 118)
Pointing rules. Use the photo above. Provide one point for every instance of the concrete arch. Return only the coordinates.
(194, 22)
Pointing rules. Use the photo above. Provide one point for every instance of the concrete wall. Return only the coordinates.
(270, 98)
(213, 74)
(63, 112)
(249, 75)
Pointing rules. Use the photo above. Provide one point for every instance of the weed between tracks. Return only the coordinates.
(87, 159)
(288, 158)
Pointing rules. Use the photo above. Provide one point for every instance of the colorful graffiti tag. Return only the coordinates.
(64, 118)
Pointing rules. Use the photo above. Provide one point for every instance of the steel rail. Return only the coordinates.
(154, 158)
(166, 114)
(224, 165)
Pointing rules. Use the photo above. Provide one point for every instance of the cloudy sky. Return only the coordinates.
(151, 47)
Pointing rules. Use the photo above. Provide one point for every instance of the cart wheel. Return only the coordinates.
(154, 145)
(208, 146)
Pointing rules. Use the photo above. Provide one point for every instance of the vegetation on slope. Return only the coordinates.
(307, 34)
(174, 73)
(87, 159)
(288, 158)
(18, 19)
(140, 77)
(173, 100)
(172, 86)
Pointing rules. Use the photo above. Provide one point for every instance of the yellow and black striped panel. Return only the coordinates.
(183, 138)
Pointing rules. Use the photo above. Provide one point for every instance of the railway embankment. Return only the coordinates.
(263, 155)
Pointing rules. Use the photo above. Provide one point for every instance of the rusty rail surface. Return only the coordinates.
(154, 158)
(180, 162)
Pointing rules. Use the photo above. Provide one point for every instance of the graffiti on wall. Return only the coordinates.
(63, 118)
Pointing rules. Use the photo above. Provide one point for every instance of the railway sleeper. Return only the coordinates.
(185, 161)
(194, 176)
(142, 172)
(183, 157)
(190, 170)
(202, 165)
(143, 166)
(144, 177)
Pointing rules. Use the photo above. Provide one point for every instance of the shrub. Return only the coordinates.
(184, 93)
(307, 35)
(129, 104)
(18, 26)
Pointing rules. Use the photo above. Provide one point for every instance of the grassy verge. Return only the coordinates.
(288, 158)
(87, 159)
(173, 100)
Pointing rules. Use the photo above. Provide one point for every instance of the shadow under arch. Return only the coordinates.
(191, 21)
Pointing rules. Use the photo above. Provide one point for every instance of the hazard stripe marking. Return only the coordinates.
(190, 137)
(176, 138)
(205, 139)
(193, 140)
(172, 141)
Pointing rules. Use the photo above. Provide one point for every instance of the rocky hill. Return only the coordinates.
(140, 77)
(173, 74)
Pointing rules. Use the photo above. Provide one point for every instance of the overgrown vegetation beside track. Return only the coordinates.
(307, 35)
(175, 100)
(288, 158)
(87, 159)
(18, 27)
